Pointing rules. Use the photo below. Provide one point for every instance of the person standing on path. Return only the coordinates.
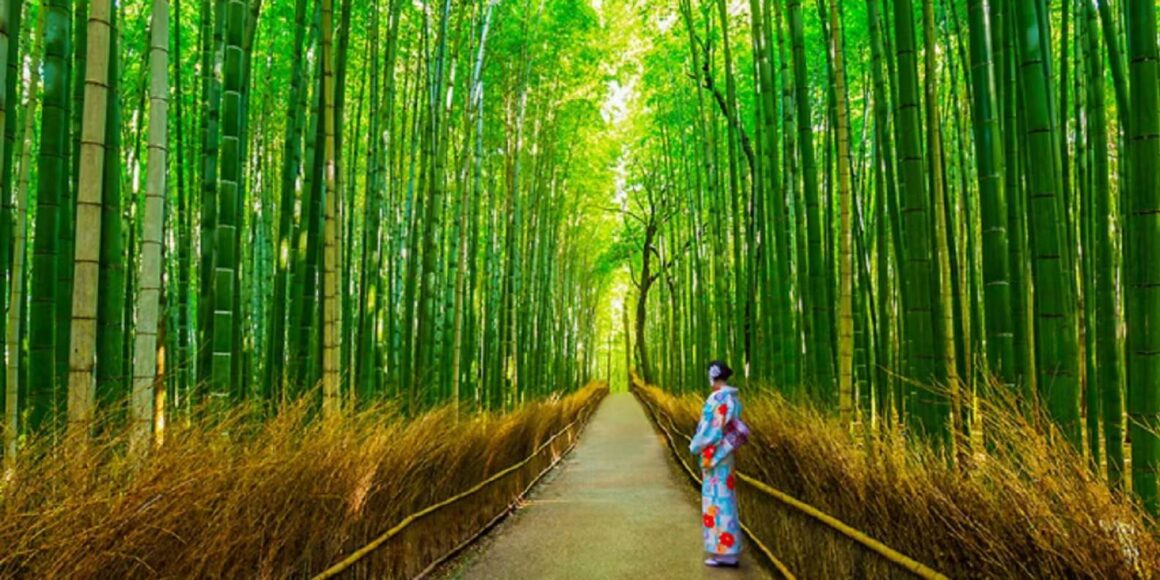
(719, 434)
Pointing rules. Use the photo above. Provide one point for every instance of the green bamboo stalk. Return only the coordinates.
(1143, 231)
(82, 380)
(993, 196)
(183, 337)
(212, 27)
(929, 415)
(1108, 355)
(331, 341)
(51, 186)
(1021, 283)
(365, 366)
(14, 394)
(1088, 223)
(65, 265)
(149, 290)
(112, 376)
(948, 376)
(1055, 305)
(1117, 66)
(276, 371)
(10, 15)
(846, 232)
(423, 371)
(818, 330)
(226, 258)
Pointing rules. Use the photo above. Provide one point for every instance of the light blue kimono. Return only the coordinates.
(720, 526)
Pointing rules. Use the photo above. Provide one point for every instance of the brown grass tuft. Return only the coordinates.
(281, 498)
(1025, 509)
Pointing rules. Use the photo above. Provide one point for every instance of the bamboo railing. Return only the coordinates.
(377, 543)
(894, 556)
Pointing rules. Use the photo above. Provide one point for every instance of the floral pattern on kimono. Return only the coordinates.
(721, 528)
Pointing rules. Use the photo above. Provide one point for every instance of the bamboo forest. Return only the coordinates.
(430, 288)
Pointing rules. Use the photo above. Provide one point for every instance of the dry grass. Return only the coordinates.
(1027, 509)
(282, 498)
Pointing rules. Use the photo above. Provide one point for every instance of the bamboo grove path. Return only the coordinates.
(616, 508)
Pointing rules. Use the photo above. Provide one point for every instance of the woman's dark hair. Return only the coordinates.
(723, 370)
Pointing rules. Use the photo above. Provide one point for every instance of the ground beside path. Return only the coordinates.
(616, 508)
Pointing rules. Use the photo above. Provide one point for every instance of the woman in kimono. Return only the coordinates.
(720, 526)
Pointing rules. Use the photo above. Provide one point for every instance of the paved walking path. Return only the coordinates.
(616, 508)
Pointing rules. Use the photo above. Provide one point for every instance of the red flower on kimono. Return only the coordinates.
(723, 409)
(709, 452)
(707, 520)
(730, 482)
(726, 539)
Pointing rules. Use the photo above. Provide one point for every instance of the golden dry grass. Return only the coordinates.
(1027, 509)
(281, 498)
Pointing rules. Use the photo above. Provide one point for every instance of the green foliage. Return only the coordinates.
(505, 171)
